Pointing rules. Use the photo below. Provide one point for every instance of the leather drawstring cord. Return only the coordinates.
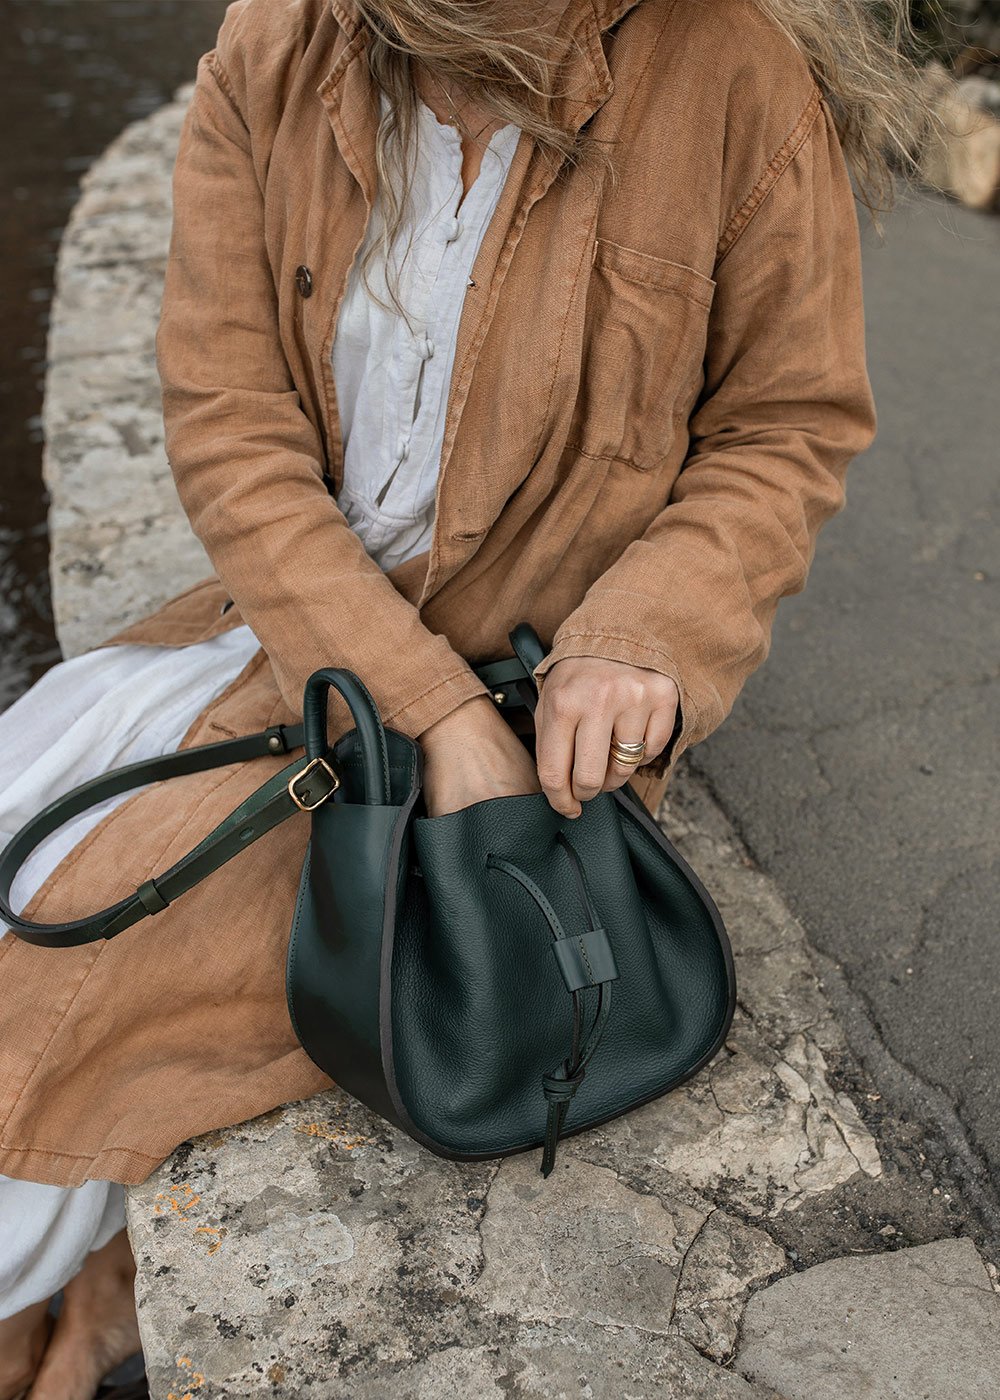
(585, 960)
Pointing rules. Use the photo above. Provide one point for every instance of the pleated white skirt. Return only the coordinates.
(83, 717)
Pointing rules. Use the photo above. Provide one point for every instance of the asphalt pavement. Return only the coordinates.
(860, 763)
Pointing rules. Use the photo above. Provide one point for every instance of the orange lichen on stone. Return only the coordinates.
(210, 1230)
(337, 1136)
(180, 1206)
(193, 1381)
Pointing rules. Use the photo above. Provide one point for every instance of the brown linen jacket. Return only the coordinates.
(657, 390)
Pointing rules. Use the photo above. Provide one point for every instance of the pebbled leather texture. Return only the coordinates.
(422, 979)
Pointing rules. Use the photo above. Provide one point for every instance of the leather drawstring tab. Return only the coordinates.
(584, 961)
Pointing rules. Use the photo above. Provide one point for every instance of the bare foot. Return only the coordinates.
(23, 1338)
(96, 1329)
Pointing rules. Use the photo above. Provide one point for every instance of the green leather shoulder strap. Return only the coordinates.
(272, 803)
(298, 787)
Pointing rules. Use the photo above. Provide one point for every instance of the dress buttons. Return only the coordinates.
(425, 347)
(452, 229)
(303, 280)
(402, 447)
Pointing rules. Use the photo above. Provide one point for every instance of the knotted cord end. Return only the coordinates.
(559, 1089)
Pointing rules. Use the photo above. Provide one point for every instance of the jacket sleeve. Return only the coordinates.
(785, 406)
(247, 460)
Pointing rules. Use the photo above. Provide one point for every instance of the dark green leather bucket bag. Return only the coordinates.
(489, 980)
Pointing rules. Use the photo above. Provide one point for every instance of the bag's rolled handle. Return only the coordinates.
(367, 720)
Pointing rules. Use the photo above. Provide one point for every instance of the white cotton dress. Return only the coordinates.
(88, 714)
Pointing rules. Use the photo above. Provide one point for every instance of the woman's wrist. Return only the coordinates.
(474, 713)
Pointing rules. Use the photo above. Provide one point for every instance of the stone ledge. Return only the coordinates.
(120, 543)
(317, 1251)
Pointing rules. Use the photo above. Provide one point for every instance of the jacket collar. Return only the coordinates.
(588, 82)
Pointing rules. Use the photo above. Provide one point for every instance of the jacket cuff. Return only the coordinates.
(616, 647)
(434, 703)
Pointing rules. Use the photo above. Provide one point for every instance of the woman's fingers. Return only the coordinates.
(629, 727)
(660, 729)
(556, 720)
(591, 752)
(583, 702)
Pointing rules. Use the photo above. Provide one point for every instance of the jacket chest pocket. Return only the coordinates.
(646, 325)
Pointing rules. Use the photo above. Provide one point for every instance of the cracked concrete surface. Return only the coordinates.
(930, 1312)
(317, 1251)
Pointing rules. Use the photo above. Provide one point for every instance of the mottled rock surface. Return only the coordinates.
(120, 543)
(359, 1265)
(316, 1251)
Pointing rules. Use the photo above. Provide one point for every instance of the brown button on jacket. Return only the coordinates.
(657, 390)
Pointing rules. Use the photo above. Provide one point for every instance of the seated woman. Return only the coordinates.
(474, 314)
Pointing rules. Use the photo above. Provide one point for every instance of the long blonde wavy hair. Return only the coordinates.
(864, 54)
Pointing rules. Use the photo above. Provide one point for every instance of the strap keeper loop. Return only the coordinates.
(150, 898)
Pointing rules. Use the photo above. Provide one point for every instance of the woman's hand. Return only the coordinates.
(473, 754)
(583, 701)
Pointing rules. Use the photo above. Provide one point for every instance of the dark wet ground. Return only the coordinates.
(73, 73)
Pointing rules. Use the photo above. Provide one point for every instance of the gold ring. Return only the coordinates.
(638, 747)
(628, 755)
(631, 762)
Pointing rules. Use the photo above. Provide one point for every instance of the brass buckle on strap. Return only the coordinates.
(311, 806)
